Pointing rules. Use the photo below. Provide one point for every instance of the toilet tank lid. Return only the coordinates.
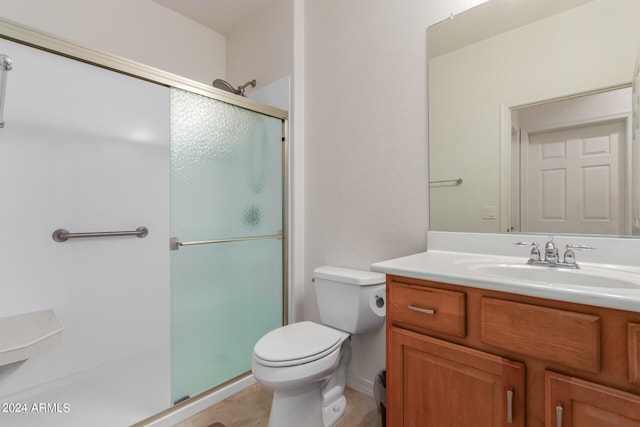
(347, 275)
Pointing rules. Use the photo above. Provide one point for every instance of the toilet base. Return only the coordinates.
(302, 407)
(333, 413)
(297, 407)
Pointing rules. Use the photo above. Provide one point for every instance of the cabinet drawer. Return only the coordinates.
(560, 336)
(428, 308)
(633, 332)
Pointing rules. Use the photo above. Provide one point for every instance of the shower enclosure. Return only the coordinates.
(105, 155)
(226, 196)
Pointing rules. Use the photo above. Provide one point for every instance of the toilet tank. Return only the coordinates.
(343, 298)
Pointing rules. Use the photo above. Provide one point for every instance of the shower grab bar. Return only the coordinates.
(6, 64)
(174, 243)
(62, 235)
(457, 181)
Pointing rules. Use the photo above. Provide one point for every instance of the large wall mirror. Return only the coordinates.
(530, 118)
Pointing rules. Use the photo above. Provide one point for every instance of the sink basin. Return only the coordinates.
(584, 277)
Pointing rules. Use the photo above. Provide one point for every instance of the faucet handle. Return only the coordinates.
(580, 247)
(535, 251)
(526, 244)
(570, 255)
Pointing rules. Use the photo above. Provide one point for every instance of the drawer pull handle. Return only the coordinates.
(422, 310)
(510, 406)
(559, 416)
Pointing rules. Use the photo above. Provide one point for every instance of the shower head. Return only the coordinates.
(221, 84)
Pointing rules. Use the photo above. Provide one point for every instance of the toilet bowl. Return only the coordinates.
(305, 363)
(298, 375)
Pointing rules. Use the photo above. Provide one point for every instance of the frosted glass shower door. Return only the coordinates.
(226, 184)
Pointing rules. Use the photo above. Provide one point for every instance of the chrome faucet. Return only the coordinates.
(551, 255)
(550, 251)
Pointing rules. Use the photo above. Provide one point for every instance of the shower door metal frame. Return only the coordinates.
(38, 40)
(29, 37)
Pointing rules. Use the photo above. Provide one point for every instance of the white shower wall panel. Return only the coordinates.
(85, 149)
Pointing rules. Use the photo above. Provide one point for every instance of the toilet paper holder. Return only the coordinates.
(378, 301)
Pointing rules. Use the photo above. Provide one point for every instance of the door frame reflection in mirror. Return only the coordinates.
(612, 209)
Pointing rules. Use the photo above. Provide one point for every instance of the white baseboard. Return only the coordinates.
(360, 384)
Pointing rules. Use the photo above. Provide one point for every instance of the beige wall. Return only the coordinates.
(366, 140)
(140, 30)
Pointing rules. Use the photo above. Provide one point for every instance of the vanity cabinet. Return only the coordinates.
(572, 402)
(444, 384)
(463, 356)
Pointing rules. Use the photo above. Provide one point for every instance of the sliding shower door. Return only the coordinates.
(227, 222)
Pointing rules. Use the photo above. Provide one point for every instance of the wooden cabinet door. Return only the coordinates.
(431, 382)
(572, 402)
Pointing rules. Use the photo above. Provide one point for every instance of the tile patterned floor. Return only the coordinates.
(250, 408)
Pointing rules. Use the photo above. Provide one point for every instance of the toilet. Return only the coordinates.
(305, 363)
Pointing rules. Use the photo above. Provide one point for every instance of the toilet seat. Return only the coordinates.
(297, 343)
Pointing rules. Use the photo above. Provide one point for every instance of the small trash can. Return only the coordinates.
(380, 395)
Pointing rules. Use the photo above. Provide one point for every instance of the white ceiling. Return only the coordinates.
(219, 15)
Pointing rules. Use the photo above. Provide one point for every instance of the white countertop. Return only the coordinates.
(459, 268)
